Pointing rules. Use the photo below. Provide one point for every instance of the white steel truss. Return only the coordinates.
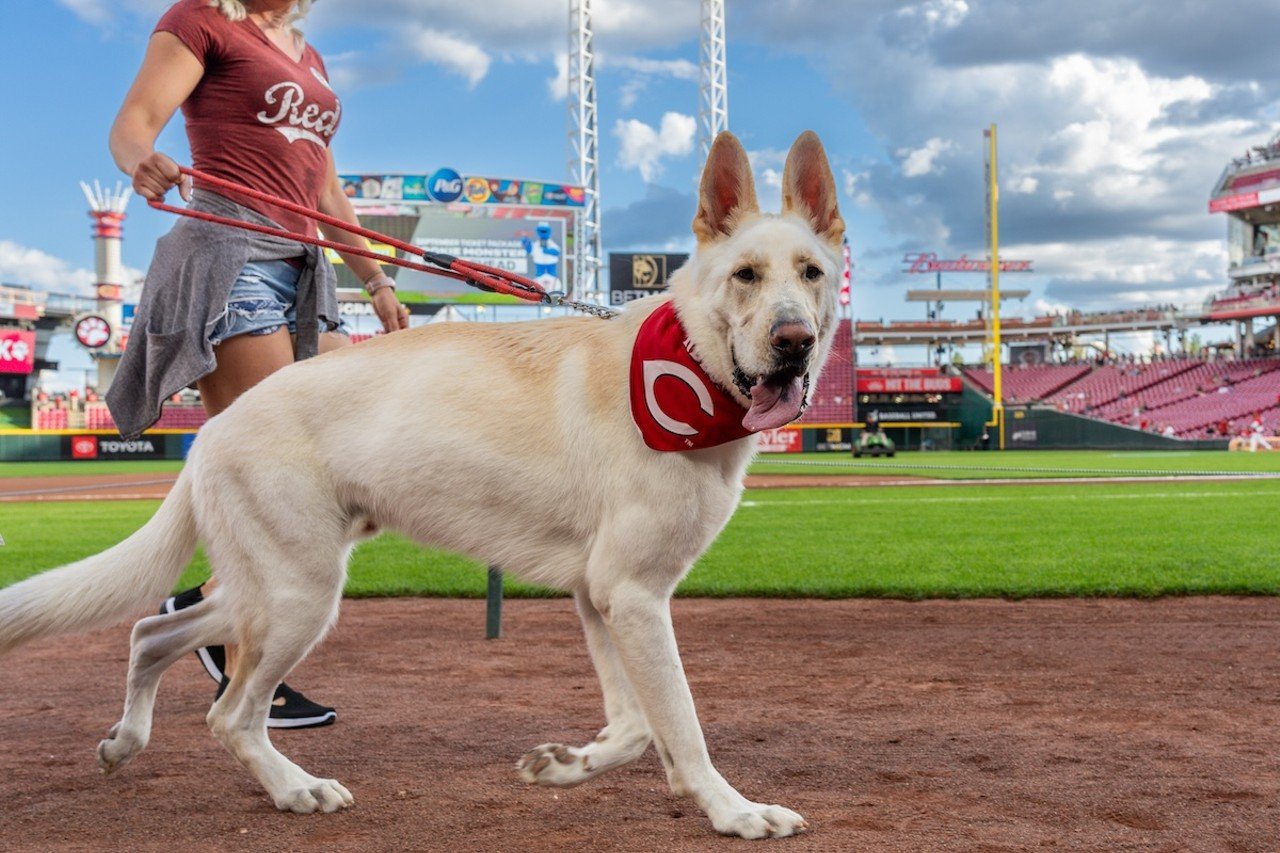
(713, 87)
(584, 149)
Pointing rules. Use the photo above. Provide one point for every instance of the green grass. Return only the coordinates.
(15, 417)
(87, 468)
(1073, 539)
(960, 465)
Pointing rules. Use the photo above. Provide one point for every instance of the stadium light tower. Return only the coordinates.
(713, 86)
(584, 148)
(106, 207)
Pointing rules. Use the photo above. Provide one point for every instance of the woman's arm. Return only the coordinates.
(381, 289)
(169, 74)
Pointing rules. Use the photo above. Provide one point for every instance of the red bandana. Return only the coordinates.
(675, 405)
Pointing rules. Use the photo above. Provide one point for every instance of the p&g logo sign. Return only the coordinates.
(445, 185)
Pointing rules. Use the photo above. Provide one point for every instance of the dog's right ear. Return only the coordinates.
(728, 191)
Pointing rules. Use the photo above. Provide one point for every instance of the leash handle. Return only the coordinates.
(478, 275)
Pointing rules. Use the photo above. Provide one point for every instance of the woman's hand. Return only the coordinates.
(155, 174)
(393, 315)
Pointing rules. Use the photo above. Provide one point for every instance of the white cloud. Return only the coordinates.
(23, 265)
(1023, 185)
(90, 11)
(853, 187)
(105, 13)
(917, 162)
(937, 14)
(558, 86)
(643, 147)
(1132, 270)
(630, 91)
(679, 69)
(456, 54)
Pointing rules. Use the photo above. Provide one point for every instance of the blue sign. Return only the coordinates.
(445, 185)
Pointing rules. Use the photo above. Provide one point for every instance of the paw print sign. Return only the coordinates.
(93, 331)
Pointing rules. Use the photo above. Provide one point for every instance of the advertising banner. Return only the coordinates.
(17, 351)
(781, 441)
(833, 439)
(114, 447)
(633, 275)
(530, 246)
(446, 186)
(1029, 354)
(909, 384)
(916, 413)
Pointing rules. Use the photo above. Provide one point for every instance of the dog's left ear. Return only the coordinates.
(809, 189)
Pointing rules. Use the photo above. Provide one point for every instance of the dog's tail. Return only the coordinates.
(107, 587)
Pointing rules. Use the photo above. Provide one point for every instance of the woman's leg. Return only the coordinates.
(243, 361)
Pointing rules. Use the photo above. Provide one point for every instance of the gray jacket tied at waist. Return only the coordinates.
(186, 293)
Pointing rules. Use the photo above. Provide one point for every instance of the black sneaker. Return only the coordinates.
(212, 658)
(291, 710)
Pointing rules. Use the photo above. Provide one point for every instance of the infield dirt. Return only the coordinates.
(895, 726)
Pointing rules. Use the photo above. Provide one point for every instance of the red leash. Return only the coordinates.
(482, 276)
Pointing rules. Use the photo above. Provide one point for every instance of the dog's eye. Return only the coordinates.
(745, 274)
(812, 273)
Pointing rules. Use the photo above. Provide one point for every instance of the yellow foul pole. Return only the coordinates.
(993, 231)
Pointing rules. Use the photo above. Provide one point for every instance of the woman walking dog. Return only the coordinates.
(224, 308)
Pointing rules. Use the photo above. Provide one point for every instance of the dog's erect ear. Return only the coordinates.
(808, 188)
(728, 190)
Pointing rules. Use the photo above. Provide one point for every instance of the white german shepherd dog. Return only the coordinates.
(513, 443)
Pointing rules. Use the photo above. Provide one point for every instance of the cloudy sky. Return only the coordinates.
(1115, 119)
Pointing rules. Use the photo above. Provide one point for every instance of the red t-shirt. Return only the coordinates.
(256, 117)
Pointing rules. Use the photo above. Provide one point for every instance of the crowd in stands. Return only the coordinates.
(1179, 397)
(73, 410)
(1261, 293)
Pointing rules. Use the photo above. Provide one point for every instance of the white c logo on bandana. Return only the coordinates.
(655, 368)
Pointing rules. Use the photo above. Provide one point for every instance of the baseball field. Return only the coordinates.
(938, 651)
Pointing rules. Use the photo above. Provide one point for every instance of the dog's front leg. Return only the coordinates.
(625, 736)
(639, 621)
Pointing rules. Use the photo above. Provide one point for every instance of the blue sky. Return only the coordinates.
(1116, 117)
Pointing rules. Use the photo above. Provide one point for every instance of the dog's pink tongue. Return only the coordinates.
(774, 405)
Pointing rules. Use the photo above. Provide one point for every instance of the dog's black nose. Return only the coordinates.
(791, 338)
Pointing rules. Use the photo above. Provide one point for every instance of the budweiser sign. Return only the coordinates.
(927, 262)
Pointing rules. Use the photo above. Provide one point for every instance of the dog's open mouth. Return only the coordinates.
(777, 399)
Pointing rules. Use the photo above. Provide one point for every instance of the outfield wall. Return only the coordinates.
(1047, 428)
(1026, 429)
(66, 445)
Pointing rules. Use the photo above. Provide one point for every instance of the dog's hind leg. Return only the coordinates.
(156, 643)
(625, 736)
(287, 620)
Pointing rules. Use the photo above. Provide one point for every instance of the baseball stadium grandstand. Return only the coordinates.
(1183, 397)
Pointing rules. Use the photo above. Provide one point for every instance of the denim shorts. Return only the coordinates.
(263, 300)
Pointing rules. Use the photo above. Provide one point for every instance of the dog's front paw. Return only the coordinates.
(556, 765)
(760, 821)
(325, 795)
(118, 749)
